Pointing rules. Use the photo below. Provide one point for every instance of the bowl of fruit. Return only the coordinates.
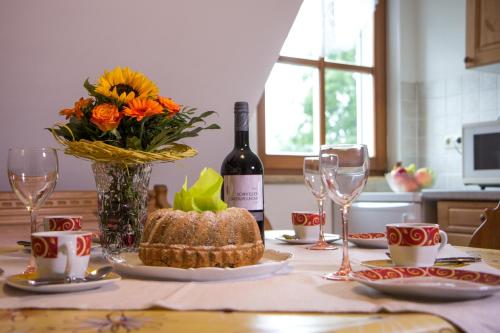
(409, 178)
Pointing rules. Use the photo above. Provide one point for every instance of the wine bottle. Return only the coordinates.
(242, 171)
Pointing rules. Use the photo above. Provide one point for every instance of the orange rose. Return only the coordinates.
(170, 105)
(139, 108)
(106, 117)
(76, 111)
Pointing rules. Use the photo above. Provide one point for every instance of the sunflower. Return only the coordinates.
(139, 108)
(125, 85)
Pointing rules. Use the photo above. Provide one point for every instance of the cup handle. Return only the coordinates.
(70, 252)
(444, 239)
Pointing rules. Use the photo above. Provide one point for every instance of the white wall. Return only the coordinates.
(394, 68)
(440, 28)
(280, 200)
(207, 54)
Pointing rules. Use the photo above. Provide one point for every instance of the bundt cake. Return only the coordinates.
(174, 238)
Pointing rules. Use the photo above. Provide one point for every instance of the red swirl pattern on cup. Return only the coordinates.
(307, 219)
(83, 244)
(45, 247)
(407, 272)
(64, 223)
(413, 236)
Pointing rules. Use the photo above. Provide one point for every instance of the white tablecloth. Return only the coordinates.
(300, 288)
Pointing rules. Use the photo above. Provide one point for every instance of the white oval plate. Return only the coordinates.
(369, 240)
(271, 262)
(20, 281)
(328, 238)
(430, 282)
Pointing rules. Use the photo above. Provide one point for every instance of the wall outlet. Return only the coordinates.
(453, 142)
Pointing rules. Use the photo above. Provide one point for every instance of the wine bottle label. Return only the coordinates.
(244, 191)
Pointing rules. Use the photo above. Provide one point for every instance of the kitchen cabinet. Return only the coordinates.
(483, 33)
(461, 218)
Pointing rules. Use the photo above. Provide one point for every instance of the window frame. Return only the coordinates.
(292, 164)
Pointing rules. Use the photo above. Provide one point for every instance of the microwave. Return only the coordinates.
(481, 154)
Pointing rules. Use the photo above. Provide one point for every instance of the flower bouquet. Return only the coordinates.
(124, 126)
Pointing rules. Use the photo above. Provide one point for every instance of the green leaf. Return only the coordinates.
(180, 196)
(134, 143)
(90, 87)
(204, 195)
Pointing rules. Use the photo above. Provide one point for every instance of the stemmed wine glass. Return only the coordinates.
(32, 175)
(312, 178)
(344, 171)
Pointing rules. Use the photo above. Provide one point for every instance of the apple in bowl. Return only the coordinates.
(409, 179)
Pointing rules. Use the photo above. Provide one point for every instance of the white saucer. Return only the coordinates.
(328, 238)
(271, 262)
(20, 281)
(373, 240)
(430, 282)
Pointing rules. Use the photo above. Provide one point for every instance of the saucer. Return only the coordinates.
(329, 238)
(384, 263)
(20, 281)
(430, 282)
(373, 240)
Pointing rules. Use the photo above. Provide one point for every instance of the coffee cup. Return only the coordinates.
(60, 254)
(415, 244)
(62, 223)
(306, 225)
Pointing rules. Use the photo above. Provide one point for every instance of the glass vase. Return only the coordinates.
(122, 192)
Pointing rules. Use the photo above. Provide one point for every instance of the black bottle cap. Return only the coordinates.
(241, 107)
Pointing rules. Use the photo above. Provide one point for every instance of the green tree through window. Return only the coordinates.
(328, 86)
(340, 92)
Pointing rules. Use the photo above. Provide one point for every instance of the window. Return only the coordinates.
(328, 85)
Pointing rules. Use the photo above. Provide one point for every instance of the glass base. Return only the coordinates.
(337, 276)
(322, 245)
(29, 269)
(115, 258)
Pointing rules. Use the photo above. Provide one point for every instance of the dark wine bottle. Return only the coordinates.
(242, 171)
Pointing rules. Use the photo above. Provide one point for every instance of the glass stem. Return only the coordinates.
(321, 220)
(346, 264)
(32, 264)
(32, 212)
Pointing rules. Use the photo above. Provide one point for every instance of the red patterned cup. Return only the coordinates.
(62, 223)
(306, 225)
(415, 244)
(61, 254)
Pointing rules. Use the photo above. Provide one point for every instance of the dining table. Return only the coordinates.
(295, 298)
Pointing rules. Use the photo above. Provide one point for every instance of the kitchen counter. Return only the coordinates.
(431, 195)
(390, 196)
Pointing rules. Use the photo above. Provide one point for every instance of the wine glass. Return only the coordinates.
(32, 175)
(344, 171)
(312, 178)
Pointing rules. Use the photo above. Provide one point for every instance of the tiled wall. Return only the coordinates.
(431, 111)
